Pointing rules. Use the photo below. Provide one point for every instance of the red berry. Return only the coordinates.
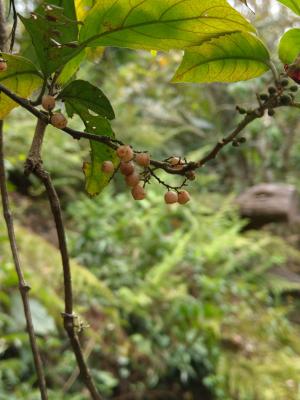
(48, 102)
(142, 159)
(138, 192)
(126, 168)
(108, 167)
(59, 120)
(125, 152)
(171, 197)
(3, 65)
(183, 197)
(132, 179)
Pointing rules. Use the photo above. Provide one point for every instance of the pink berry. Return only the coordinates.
(171, 197)
(138, 192)
(142, 159)
(108, 167)
(183, 197)
(48, 102)
(125, 152)
(126, 168)
(59, 120)
(132, 179)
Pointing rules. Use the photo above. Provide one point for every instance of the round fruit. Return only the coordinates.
(183, 197)
(3, 65)
(108, 167)
(142, 159)
(138, 192)
(125, 152)
(132, 179)
(171, 197)
(126, 168)
(59, 120)
(48, 102)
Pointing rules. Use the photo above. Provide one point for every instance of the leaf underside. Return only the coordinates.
(289, 46)
(231, 58)
(294, 5)
(159, 25)
(95, 110)
(54, 34)
(21, 77)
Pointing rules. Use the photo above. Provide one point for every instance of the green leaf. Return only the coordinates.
(294, 5)
(230, 58)
(21, 77)
(96, 180)
(83, 7)
(54, 34)
(95, 110)
(289, 46)
(159, 25)
(81, 93)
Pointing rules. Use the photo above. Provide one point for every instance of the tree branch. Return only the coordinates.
(272, 103)
(34, 165)
(23, 286)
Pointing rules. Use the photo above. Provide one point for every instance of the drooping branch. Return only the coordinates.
(34, 165)
(23, 286)
(272, 103)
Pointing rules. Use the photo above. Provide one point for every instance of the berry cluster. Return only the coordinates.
(128, 162)
(57, 119)
(129, 159)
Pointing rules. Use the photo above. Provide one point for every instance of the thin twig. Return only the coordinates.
(34, 165)
(12, 7)
(23, 286)
(113, 143)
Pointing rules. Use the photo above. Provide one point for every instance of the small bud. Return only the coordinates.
(125, 152)
(126, 168)
(235, 143)
(48, 102)
(183, 197)
(138, 192)
(271, 112)
(142, 159)
(132, 179)
(171, 197)
(59, 120)
(294, 88)
(272, 90)
(191, 175)
(264, 97)
(3, 65)
(285, 99)
(241, 110)
(242, 140)
(108, 167)
(284, 82)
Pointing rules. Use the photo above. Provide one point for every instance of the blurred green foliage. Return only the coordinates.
(176, 298)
